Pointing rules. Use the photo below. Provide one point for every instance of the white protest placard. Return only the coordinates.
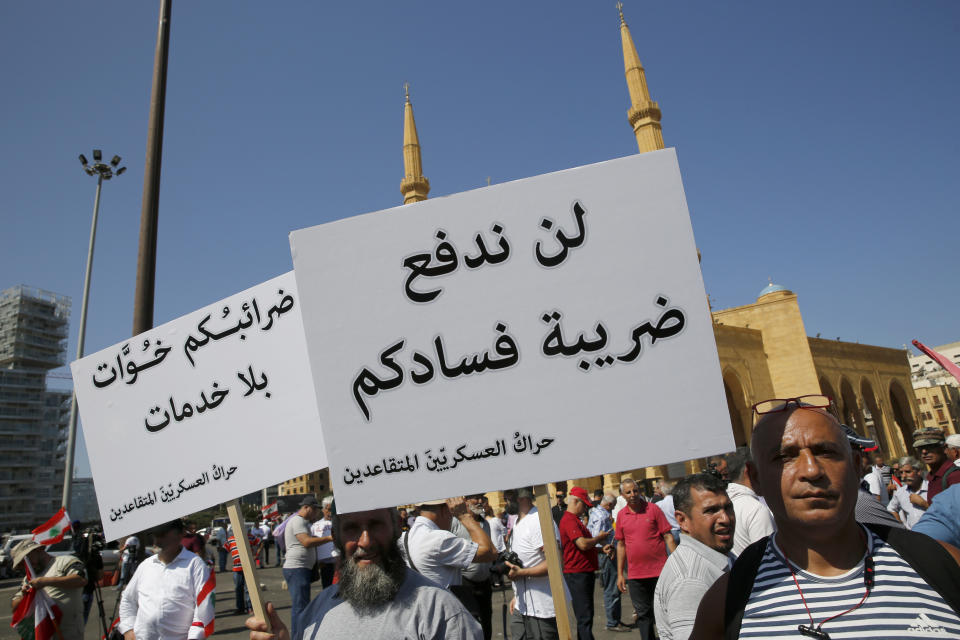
(526, 332)
(209, 407)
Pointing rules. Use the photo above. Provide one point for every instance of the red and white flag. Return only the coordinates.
(53, 530)
(271, 511)
(940, 359)
(205, 606)
(46, 614)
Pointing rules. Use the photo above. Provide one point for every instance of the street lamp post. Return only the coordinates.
(102, 171)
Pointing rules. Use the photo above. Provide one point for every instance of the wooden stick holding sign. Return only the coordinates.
(554, 564)
(246, 561)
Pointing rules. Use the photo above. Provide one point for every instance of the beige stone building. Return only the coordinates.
(317, 483)
(939, 407)
(927, 373)
(763, 347)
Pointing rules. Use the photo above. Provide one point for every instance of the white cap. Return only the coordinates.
(953, 441)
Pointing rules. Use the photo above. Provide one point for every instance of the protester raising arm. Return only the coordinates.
(486, 552)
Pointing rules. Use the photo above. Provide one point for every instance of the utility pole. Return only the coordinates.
(147, 253)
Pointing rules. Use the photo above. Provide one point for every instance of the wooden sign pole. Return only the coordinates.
(246, 561)
(554, 565)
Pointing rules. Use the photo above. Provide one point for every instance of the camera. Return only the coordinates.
(712, 470)
(500, 566)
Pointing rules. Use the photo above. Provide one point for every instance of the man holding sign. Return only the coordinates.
(377, 596)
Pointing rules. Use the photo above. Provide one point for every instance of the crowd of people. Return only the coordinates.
(788, 538)
(806, 533)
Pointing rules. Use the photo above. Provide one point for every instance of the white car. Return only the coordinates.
(6, 557)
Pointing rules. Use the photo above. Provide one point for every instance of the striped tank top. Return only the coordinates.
(901, 605)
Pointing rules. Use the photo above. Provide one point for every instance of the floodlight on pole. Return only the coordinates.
(103, 172)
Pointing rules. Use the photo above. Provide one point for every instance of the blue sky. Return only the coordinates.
(818, 141)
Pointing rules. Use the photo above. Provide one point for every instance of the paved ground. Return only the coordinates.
(230, 627)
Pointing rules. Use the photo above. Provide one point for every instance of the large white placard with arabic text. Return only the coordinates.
(206, 408)
(538, 330)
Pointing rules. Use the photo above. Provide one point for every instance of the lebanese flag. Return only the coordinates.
(53, 530)
(46, 614)
(205, 606)
(271, 511)
(939, 358)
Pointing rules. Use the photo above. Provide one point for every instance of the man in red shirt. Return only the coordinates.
(579, 560)
(193, 541)
(643, 538)
(930, 445)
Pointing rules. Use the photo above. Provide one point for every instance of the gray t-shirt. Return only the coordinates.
(297, 557)
(420, 611)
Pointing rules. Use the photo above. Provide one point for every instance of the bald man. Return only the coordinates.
(839, 573)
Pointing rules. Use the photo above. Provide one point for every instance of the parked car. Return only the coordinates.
(6, 557)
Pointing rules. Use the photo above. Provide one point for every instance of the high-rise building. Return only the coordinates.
(33, 419)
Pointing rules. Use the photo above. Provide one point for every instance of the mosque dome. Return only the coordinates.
(774, 288)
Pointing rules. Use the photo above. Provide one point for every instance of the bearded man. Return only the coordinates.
(377, 595)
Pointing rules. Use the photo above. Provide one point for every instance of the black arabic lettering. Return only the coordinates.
(554, 345)
(670, 323)
(543, 444)
(504, 346)
(158, 355)
(104, 383)
(566, 242)
(425, 376)
(153, 428)
(419, 264)
(370, 385)
(252, 383)
(192, 344)
(186, 410)
(277, 310)
(484, 255)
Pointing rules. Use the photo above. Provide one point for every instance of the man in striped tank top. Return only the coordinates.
(823, 575)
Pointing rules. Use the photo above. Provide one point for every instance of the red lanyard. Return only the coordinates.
(817, 632)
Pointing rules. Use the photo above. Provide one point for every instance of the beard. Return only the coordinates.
(373, 585)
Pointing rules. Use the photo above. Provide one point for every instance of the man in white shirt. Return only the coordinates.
(666, 505)
(169, 596)
(952, 448)
(872, 482)
(430, 548)
(497, 530)
(754, 518)
(909, 502)
(326, 554)
(266, 541)
(534, 617)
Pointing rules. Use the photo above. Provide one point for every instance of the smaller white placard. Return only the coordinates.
(203, 409)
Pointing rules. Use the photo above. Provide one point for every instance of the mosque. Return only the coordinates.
(763, 347)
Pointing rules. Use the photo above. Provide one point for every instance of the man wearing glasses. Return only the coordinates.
(822, 573)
